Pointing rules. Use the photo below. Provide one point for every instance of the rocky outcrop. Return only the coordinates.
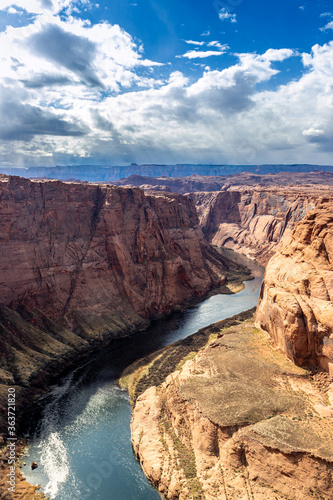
(233, 421)
(253, 221)
(296, 299)
(82, 264)
(13, 485)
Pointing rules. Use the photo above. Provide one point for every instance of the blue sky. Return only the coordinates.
(156, 81)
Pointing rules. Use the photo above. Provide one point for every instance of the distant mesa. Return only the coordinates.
(98, 173)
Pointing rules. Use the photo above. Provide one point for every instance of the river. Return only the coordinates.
(81, 439)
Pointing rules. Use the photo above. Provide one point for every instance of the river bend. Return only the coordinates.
(81, 439)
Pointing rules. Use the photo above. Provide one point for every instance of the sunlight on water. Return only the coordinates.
(82, 441)
(54, 461)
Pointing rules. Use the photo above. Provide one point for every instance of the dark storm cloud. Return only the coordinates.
(319, 139)
(324, 142)
(104, 124)
(231, 100)
(41, 81)
(70, 51)
(190, 109)
(23, 121)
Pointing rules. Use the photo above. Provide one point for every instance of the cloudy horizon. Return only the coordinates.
(150, 82)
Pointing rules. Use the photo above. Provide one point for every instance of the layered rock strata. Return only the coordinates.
(234, 421)
(247, 212)
(82, 264)
(296, 300)
(253, 221)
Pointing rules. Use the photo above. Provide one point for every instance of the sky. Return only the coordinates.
(166, 81)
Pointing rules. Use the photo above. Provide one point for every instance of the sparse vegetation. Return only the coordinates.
(153, 369)
(245, 381)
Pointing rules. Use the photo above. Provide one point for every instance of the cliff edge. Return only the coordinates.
(222, 414)
(295, 305)
(253, 219)
(82, 264)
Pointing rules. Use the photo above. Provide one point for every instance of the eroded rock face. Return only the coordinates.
(81, 264)
(295, 305)
(247, 212)
(90, 248)
(237, 421)
(254, 220)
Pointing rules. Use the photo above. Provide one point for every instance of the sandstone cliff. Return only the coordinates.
(68, 247)
(247, 212)
(81, 264)
(254, 220)
(233, 420)
(295, 305)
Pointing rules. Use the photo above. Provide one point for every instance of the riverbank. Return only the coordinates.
(83, 265)
(223, 415)
(21, 490)
(234, 282)
(123, 326)
(155, 368)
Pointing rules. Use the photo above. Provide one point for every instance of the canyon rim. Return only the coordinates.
(229, 417)
(166, 250)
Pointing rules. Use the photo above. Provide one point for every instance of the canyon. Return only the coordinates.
(246, 212)
(255, 220)
(234, 419)
(195, 183)
(84, 264)
(231, 418)
(224, 413)
(241, 415)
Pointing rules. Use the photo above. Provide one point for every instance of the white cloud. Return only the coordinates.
(36, 6)
(218, 45)
(55, 70)
(12, 10)
(320, 60)
(192, 42)
(100, 55)
(226, 15)
(100, 100)
(313, 132)
(205, 33)
(47, 6)
(195, 54)
(328, 26)
(177, 79)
